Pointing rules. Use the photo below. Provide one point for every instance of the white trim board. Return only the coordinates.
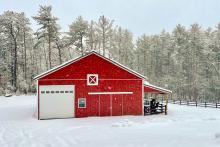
(97, 93)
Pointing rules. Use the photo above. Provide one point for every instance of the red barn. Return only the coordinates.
(91, 85)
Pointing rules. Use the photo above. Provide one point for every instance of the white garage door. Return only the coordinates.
(56, 101)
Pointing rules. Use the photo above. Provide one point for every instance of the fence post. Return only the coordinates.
(205, 104)
(165, 109)
(187, 103)
(180, 102)
(166, 104)
(216, 104)
(196, 103)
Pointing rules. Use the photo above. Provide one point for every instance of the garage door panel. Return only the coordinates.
(56, 101)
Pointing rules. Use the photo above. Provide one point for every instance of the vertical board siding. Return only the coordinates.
(132, 103)
(111, 79)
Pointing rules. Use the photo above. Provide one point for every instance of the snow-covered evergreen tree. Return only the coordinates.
(186, 59)
(104, 28)
(47, 33)
(78, 31)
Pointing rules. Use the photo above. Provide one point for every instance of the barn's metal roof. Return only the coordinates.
(163, 90)
(86, 55)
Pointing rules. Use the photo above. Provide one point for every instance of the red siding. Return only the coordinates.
(132, 103)
(89, 65)
(111, 79)
(151, 90)
(148, 89)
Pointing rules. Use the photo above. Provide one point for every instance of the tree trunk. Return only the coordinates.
(138, 61)
(49, 51)
(81, 45)
(14, 65)
(103, 41)
(25, 57)
(119, 54)
(45, 56)
(144, 62)
(59, 52)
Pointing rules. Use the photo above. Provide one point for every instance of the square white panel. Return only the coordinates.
(92, 79)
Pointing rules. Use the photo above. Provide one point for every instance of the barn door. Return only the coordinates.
(94, 105)
(117, 105)
(128, 105)
(56, 101)
(105, 104)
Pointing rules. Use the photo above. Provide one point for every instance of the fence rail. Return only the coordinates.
(194, 103)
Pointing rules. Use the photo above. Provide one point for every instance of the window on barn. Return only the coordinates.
(42, 92)
(92, 79)
(81, 103)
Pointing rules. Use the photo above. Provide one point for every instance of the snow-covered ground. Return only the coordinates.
(184, 126)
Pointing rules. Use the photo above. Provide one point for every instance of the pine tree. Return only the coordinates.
(78, 32)
(15, 37)
(48, 32)
(92, 37)
(104, 29)
(10, 26)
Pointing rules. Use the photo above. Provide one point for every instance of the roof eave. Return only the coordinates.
(158, 88)
(81, 57)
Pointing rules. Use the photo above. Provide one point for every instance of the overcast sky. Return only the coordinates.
(139, 16)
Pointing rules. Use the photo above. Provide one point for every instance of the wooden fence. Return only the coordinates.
(194, 103)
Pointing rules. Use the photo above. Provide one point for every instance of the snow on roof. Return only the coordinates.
(147, 84)
(81, 57)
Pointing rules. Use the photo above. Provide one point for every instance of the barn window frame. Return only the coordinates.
(92, 75)
(80, 100)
